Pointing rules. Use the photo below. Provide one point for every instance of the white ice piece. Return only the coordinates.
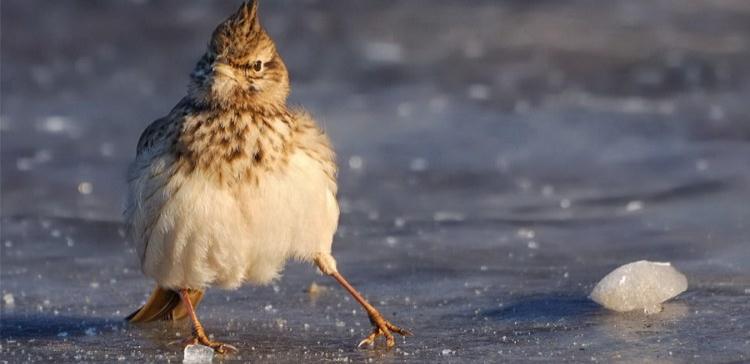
(8, 298)
(639, 285)
(195, 354)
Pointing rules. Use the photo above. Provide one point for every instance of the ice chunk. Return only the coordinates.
(198, 354)
(9, 300)
(639, 285)
(525, 233)
(85, 188)
(441, 216)
(634, 206)
(356, 162)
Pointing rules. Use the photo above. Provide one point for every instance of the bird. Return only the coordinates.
(232, 183)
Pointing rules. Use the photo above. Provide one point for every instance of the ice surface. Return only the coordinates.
(494, 211)
(641, 285)
(197, 354)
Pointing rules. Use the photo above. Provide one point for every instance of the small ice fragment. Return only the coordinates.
(85, 188)
(281, 323)
(9, 300)
(526, 233)
(91, 331)
(716, 112)
(447, 352)
(56, 124)
(634, 206)
(385, 52)
(441, 216)
(107, 149)
(355, 162)
(701, 165)
(641, 285)
(418, 165)
(524, 184)
(533, 245)
(24, 164)
(198, 354)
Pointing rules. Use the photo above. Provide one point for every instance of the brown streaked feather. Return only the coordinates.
(164, 305)
(162, 128)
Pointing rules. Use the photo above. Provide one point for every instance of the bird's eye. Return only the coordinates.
(257, 66)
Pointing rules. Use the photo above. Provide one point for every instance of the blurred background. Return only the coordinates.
(508, 152)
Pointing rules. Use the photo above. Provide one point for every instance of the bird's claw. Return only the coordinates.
(385, 328)
(221, 348)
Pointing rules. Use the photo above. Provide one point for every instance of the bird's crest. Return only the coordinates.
(241, 34)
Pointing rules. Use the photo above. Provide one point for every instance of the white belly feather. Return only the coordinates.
(194, 234)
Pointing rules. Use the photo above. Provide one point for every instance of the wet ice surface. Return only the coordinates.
(496, 161)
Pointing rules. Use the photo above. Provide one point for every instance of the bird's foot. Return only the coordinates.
(382, 327)
(219, 347)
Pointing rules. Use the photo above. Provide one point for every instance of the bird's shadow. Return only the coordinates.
(549, 307)
(47, 326)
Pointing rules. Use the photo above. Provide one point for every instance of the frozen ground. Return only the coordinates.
(497, 159)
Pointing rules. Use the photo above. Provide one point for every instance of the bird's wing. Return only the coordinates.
(152, 134)
(159, 129)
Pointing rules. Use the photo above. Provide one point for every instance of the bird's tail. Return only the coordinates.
(164, 304)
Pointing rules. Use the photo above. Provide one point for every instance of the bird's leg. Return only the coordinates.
(199, 335)
(381, 325)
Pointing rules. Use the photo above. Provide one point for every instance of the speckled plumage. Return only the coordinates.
(231, 151)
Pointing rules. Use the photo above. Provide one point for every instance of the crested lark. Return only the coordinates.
(232, 183)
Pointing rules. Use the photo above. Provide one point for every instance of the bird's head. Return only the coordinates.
(241, 67)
